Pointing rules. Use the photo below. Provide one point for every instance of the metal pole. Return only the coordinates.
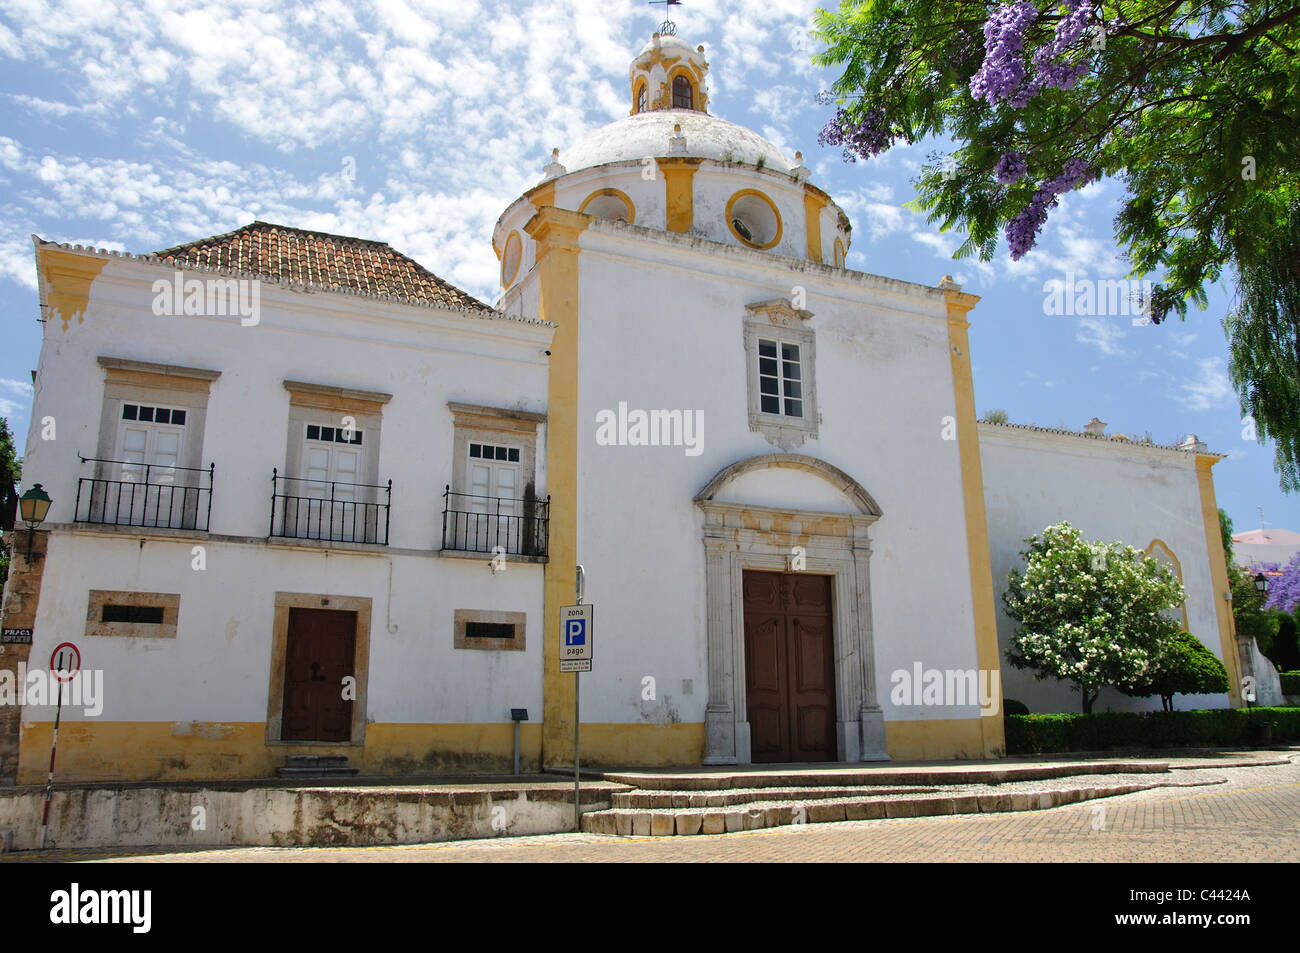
(577, 805)
(54, 746)
(516, 746)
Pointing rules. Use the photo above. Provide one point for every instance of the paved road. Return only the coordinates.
(1254, 816)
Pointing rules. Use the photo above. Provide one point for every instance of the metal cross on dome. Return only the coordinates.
(668, 27)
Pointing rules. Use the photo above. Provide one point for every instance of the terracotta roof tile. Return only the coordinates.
(279, 253)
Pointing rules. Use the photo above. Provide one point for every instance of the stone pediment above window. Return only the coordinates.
(780, 312)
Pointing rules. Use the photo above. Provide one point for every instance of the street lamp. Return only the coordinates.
(1261, 583)
(32, 507)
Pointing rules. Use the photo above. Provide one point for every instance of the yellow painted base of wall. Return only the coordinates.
(187, 751)
(935, 740)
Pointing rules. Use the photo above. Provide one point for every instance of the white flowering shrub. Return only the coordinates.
(1090, 613)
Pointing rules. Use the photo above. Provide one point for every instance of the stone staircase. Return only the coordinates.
(663, 804)
(316, 766)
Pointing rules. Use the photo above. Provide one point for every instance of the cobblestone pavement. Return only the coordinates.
(1253, 816)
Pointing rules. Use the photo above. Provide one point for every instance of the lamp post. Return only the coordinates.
(1261, 583)
(32, 507)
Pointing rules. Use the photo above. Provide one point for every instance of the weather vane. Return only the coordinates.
(668, 27)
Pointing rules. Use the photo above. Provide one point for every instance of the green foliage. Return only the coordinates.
(1089, 613)
(1225, 533)
(1290, 683)
(1186, 667)
(1248, 610)
(1193, 107)
(11, 471)
(995, 417)
(1039, 734)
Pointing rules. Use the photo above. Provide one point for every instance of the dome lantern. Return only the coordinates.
(668, 74)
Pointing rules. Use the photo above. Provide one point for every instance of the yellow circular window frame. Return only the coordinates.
(731, 204)
(508, 280)
(612, 193)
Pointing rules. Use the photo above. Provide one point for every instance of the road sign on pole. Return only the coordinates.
(575, 657)
(65, 662)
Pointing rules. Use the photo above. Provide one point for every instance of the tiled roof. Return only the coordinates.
(335, 262)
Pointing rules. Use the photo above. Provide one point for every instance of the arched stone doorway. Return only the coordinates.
(749, 525)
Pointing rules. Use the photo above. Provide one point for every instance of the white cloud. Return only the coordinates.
(1208, 386)
(1105, 334)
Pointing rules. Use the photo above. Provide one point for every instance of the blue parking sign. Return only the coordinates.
(575, 636)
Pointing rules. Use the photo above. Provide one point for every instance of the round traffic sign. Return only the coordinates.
(65, 661)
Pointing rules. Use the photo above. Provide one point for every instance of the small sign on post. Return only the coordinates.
(575, 657)
(16, 637)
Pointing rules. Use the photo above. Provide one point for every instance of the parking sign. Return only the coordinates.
(576, 637)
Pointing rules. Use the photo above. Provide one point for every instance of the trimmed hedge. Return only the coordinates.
(1290, 683)
(1220, 727)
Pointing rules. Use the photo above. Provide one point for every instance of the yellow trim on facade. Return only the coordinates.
(543, 195)
(679, 192)
(67, 277)
(697, 104)
(556, 232)
(958, 305)
(508, 279)
(1178, 568)
(1219, 574)
(185, 751)
(939, 740)
(770, 204)
(841, 256)
(616, 193)
(813, 203)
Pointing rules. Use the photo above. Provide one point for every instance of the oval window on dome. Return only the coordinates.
(752, 217)
(609, 204)
(510, 259)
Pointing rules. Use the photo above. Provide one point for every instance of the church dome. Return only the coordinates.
(651, 133)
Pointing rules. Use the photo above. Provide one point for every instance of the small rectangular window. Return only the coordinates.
(149, 615)
(162, 415)
(130, 411)
(313, 431)
(514, 455)
(475, 450)
(489, 630)
(146, 413)
(178, 418)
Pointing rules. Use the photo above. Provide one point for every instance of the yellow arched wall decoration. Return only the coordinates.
(731, 202)
(840, 254)
(508, 279)
(1163, 547)
(638, 87)
(616, 193)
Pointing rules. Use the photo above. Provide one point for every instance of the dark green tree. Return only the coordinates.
(11, 470)
(1185, 667)
(1194, 107)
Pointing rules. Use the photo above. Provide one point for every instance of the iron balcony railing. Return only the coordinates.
(126, 493)
(330, 510)
(479, 524)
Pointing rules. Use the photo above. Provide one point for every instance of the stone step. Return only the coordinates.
(684, 799)
(792, 776)
(316, 766)
(758, 815)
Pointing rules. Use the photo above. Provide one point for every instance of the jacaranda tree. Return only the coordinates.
(1194, 107)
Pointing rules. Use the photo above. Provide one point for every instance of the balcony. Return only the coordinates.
(329, 510)
(481, 524)
(129, 493)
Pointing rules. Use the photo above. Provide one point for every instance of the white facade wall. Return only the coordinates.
(661, 328)
(1111, 491)
(218, 667)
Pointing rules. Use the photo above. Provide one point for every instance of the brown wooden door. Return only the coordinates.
(789, 667)
(319, 654)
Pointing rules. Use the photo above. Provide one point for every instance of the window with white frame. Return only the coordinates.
(779, 357)
(492, 499)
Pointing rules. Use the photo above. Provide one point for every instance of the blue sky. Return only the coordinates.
(139, 126)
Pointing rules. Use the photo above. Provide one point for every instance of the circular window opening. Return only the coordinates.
(510, 259)
(753, 219)
(611, 205)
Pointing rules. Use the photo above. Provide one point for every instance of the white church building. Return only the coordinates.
(311, 499)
